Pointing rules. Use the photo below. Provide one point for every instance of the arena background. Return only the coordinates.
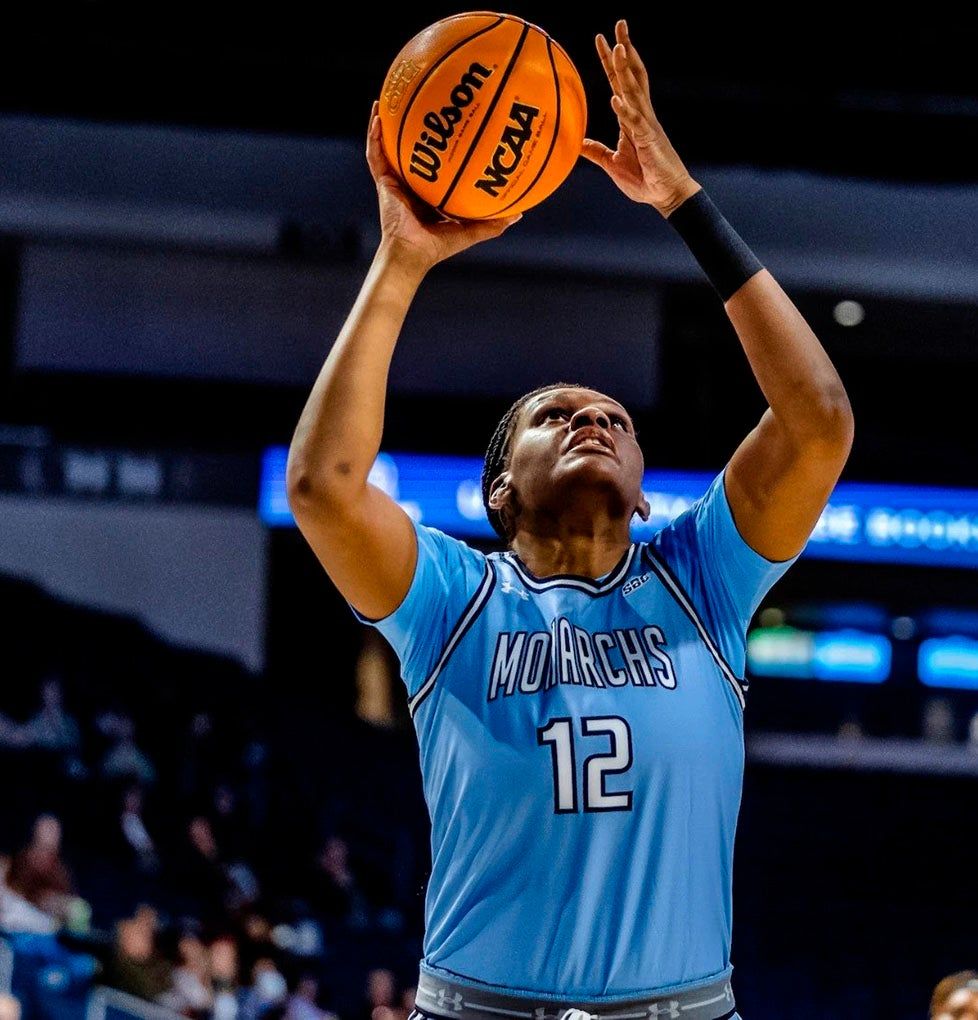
(226, 780)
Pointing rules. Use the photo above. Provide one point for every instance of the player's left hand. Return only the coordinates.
(645, 165)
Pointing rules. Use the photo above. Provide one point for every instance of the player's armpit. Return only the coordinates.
(777, 485)
(367, 545)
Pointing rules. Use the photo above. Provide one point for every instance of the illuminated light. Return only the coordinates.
(940, 524)
(665, 507)
(384, 475)
(948, 662)
(910, 526)
(273, 500)
(848, 313)
(468, 500)
(903, 628)
(853, 656)
(139, 476)
(412, 509)
(86, 471)
(837, 524)
(781, 651)
(959, 531)
(879, 529)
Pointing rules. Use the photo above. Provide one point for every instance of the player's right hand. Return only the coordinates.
(412, 229)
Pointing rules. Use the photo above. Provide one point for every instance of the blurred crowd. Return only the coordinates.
(171, 872)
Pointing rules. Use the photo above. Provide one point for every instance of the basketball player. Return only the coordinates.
(578, 696)
(956, 997)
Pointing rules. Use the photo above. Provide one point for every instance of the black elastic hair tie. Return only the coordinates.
(721, 252)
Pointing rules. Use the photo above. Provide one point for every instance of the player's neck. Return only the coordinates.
(585, 555)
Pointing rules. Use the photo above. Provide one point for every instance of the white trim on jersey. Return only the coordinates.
(475, 605)
(680, 596)
(568, 580)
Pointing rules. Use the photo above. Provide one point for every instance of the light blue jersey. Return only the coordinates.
(582, 754)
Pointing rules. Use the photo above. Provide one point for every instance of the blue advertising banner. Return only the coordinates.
(862, 522)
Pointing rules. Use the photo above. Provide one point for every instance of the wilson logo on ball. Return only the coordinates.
(425, 161)
(509, 151)
(483, 115)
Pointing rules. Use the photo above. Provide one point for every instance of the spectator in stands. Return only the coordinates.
(302, 1003)
(380, 995)
(192, 989)
(201, 882)
(205, 882)
(124, 758)
(334, 891)
(224, 975)
(396, 1011)
(16, 913)
(137, 966)
(139, 849)
(956, 997)
(52, 729)
(39, 875)
(255, 942)
(267, 992)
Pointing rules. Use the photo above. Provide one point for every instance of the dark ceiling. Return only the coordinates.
(835, 91)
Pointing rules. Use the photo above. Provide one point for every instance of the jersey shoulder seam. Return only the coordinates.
(465, 620)
(682, 597)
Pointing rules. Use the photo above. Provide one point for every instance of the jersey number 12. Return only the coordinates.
(559, 734)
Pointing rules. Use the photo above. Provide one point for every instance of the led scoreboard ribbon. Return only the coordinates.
(862, 522)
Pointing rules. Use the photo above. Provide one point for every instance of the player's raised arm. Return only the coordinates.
(363, 539)
(780, 477)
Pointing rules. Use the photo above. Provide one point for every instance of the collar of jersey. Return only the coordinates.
(581, 583)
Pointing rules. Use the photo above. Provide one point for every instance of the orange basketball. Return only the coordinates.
(482, 115)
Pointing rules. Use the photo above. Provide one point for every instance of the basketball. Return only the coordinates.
(482, 115)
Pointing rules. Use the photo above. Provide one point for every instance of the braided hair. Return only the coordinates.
(497, 455)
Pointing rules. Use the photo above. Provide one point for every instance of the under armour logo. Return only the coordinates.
(671, 1009)
(509, 588)
(453, 1002)
(576, 1014)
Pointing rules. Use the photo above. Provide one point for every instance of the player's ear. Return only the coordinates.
(500, 490)
(643, 509)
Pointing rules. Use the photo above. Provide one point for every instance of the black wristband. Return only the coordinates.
(717, 247)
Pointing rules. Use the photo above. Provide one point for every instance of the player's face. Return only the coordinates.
(573, 441)
(962, 1005)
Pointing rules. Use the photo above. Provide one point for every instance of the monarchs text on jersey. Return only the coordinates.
(581, 746)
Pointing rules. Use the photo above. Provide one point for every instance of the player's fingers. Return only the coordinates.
(483, 230)
(376, 159)
(623, 36)
(499, 225)
(597, 152)
(635, 126)
(632, 90)
(625, 72)
(604, 55)
(623, 69)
